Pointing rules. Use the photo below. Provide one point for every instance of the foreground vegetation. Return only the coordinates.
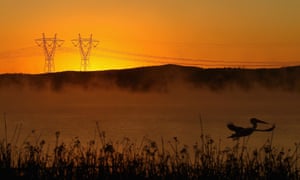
(101, 159)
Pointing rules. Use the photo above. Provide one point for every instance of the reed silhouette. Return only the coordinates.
(127, 159)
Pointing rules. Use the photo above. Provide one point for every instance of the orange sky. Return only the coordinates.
(134, 33)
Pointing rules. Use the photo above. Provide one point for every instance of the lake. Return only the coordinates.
(175, 113)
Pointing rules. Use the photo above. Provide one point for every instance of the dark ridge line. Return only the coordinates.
(160, 78)
(153, 67)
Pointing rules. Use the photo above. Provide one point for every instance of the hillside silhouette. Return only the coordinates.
(161, 78)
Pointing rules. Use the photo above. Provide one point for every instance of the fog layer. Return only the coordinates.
(158, 102)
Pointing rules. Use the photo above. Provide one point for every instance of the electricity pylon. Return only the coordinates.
(85, 46)
(49, 45)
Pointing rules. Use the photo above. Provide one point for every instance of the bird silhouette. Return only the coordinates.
(242, 132)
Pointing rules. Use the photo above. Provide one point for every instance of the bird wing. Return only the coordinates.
(266, 130)
(233, 127)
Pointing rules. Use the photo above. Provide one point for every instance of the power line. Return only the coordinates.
(130, 56)
(156, 61)
(86, 44)
(184, 59)
(190, 61)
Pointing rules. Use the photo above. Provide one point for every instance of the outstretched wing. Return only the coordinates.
(266, 130)
(233, 127)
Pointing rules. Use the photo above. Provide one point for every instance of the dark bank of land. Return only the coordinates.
(161, 78)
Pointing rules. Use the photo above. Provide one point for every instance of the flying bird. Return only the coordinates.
(242, 132)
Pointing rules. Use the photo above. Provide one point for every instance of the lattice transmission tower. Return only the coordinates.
(85, 46)
(49, 46)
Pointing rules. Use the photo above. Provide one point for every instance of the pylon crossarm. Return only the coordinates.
(60, 42)
(85, 44)
(86, 39)
(75, 42)
(39, 42)
(95, 43)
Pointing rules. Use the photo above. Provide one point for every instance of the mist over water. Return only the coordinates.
(171, 111)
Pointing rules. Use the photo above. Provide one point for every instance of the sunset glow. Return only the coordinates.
(149, 89)
(142, 33)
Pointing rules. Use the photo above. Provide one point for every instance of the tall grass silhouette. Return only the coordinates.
(148, 159)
